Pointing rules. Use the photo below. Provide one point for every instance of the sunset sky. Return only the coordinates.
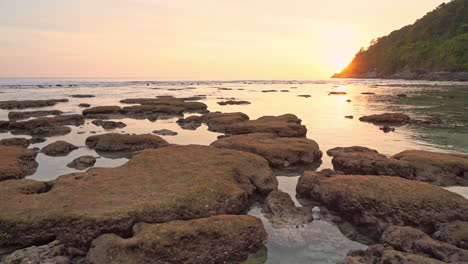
(203, 39)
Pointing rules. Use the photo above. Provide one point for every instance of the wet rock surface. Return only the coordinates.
(18, 142)
(114, 142)
(376, 202)
(414, 241)
(58, 148)
(281, 210)
(28, 114)
(159, 185)
(82, 163)
(16, 162)
(14, 104)
(280, 152)
(443, 169)
(109, 124)
(216, 239)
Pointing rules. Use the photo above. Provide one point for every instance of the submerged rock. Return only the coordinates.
(18, 142)
(82, 163)
(109, 124)
(443, 169)
(114, 142)
(279, 151)
(58, 148)
(155, 186)
(14, 104)
(414, 241)
(165, 132)
(28, 114)
(216, 239)
(16, 162)
(377, 202)
(387, 118)
(281, 210)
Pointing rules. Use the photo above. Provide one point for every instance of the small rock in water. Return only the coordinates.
(165, 132)
(82, 162)
(82, 95)
(402, 95)
(337, 93)
(36, 140)
(387, 129)
(84, 105)
(349, 117)
(304, 95)
(58, 148)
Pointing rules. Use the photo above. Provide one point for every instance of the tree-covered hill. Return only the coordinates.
(438, 42)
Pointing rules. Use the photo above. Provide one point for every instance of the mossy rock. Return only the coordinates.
(16, 162)
(114, 142)
(215, 239)
(14, 104)
(157, 185)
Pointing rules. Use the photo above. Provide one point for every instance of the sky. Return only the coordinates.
(193, 40)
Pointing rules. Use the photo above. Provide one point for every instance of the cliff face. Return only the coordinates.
(435, 47)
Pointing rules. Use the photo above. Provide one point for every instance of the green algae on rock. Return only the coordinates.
(157, 185)
(215, 239)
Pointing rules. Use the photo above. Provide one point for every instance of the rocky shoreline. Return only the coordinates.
(407, 75)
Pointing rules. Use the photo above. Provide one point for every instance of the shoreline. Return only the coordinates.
(408, 75)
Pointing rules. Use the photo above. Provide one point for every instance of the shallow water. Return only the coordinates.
(323, 114)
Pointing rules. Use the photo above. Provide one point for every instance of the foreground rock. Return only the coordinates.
(216, 239)
(16, 162)
(109, 124)
(280, 152)
(18, 142)
(377, 202)
(387, 118)
(29, 114)
(443, 169)
(82, 163)
(280, 210)
(13, 104)
(52, 253)
(155, 186)
(114, 142)
(380, 254)
(58, 148)
(455, 233)
(414, 241)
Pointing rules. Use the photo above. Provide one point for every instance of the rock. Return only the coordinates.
(17, 162)
(414, 241)
(165, 132)
(52, 253)
(387, 129)
(380, 254)
(444, 169)
(58, 148)
(455, 233)
(109, 124)
(28, 114)
(304, 95)
(114, 142)
(155, 186)
(232, 102)
(84, 105)
(215, 121)
(349, 117)
(340, 150)
(337, 93)
(269, 91)
(387, 118)
(47, 126)
(35, 140)
(4, 125)
(13, 104)
(402, 95)
(101, 111)
(368, 93)
(50, 131)
(19, 142)
(82, 95)
(82, 163)
(279, 151)
(216, 239)
(284, 91)
(280, 210)
(169, 103)
(376, 202)
(348, 101)
(284, 126)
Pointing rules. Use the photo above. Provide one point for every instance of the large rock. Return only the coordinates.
(380, 254)
(279, 151)
(47, 126)
(216, 239)
(414, 241)
(27, 114)
(455, 233)
(58, 148)
(155, 186)
(280, 210)
(377, 202)
(19, 142)
(387, 118)
(16, 162)
(114, 142)
(443, 169)
(13, 104)
(284, 126)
